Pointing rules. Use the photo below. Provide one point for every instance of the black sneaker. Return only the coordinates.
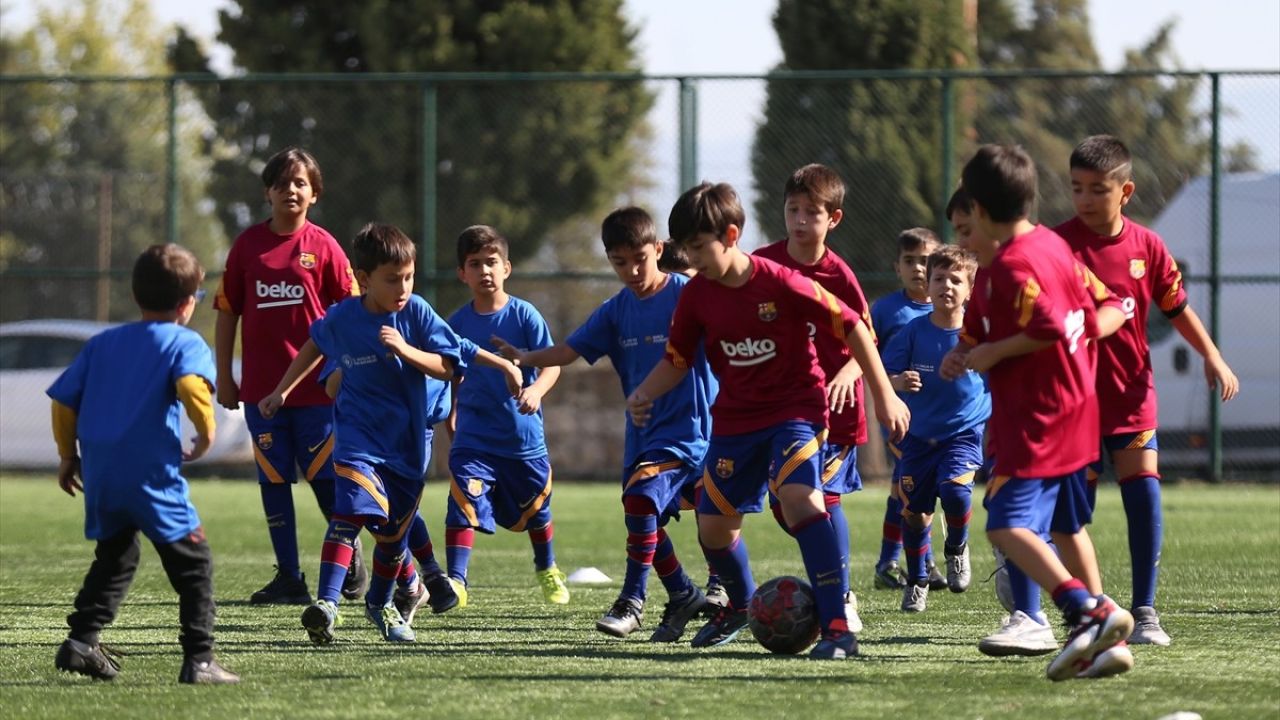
(890, 576)
(283, 590)
(717, 597)
(97, 661)
(208, 672)
(937, 581)
(442, 595)
(623, 618)
(356, 582)
(676, 615)
(408, 602)
(723, 627)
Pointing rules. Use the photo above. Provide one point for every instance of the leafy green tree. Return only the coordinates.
(525, 158)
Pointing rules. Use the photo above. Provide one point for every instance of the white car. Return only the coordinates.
(32, 355)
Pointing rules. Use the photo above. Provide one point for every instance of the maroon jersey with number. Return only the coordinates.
(1136, 266)
(279, 285)
(849, 426)
(756, 339)
(1044, 407)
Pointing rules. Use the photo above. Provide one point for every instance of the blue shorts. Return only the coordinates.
(926, 464)
(295, 437)
(740, 468)
(386, 500)
(489, 490)
(840, 469)
(1140, 440)
(664, 479)
(1057, 504)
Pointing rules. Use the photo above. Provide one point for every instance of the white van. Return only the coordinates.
(1249, 329)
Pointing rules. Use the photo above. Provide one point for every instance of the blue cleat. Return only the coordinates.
(835, 645)
(389, 622)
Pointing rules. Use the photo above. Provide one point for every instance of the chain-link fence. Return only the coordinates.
(94, 169)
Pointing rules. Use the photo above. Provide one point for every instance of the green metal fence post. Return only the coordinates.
(688, 133)
(948, 153)
(427, 245)
(1215, 272)
(171, 162)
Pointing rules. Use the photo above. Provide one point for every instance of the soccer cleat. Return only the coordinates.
(283, 590)
(835, 645)
(623, 618)
(890, 576)
(851, 612)
(356, 583)
(95, 661)
(936, 580)
(319, 619)
(409, 602)
(388, 621)
(723, 627)
(1020, 634)
(958, 572)
(1100, 627)
(677, 613)
(1146, 628)
(554, 590)
(444, 594)
(915, 597)
(208, 672)
(1112, 661)
(1004, 590)
(717, 597)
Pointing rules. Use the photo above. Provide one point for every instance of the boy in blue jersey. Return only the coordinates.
(120, 401)
(943, 446)
(392, 348)
(498, 459)
(663, 460)
(890, 314)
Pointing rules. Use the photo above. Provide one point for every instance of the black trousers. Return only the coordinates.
(189, 565)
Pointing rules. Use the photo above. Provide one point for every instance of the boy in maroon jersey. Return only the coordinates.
(1134, 263)
(280, 276)
(752, 317)
(1030, 328)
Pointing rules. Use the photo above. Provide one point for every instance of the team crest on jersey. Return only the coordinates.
(307, 260)
(724, 467)
(768, 311)
(1137, 269)
(908, 483)
(265, 441)
(475, 487)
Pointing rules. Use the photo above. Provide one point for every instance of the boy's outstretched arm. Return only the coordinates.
(224, 346)
(430, 364)
(661, 379)
(308, 357)
(197, 397)
(557, 355)
(890, 410)
(64, 435)
(510, 373)
(1216, 371)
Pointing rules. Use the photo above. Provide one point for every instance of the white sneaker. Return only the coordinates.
(851, 613)
(958, 573)
(1019, 634)
(915, 598)
(1004, 591)
(1146, 628)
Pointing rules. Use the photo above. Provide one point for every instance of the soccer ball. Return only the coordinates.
(783, 615)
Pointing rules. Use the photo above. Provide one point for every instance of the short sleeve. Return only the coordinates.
(537, 332)
(1167, 291)
(69, 387)
(230, 295)
(338, 279)
(192, 357)
(435, 336)
(1033, 310)
(322, 335)
(686, 329)
(897, 353)
(827, 312)
(594, 338)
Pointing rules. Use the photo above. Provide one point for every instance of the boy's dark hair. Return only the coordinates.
(673, 258)
(953, 257)
(628, 228)
(705, 208)
(916, 238)
(1002, 179)
(820, 183)
(1105, 154)
(961, 201)
(478, 238)
(164, 276)
(286, 160)
(379, 244)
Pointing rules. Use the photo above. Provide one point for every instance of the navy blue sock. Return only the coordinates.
(891, 540)
(827, 573)
(457, 551)
(957, 503)
(277, 503)
(335, 556)
(1026, 593)
(544, 554)
(915, 545)
(1070, 597)
(323, 488)
(387, 559)
(674, 579)
(733, 567)
(641, 520)
(1141, 496)
(421, 548)
(839, 524)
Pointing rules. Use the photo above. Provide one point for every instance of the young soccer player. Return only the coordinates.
(280, 277)
(674, 260)
(890, 314)
(498, 459)
(943, 447)
(813, 205)
(751, 317)
(662, 461)
(119, 401)
(1135, 264)
(1030, 330)
(392, 347)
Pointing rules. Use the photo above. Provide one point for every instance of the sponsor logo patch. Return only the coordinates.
(750, 351)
